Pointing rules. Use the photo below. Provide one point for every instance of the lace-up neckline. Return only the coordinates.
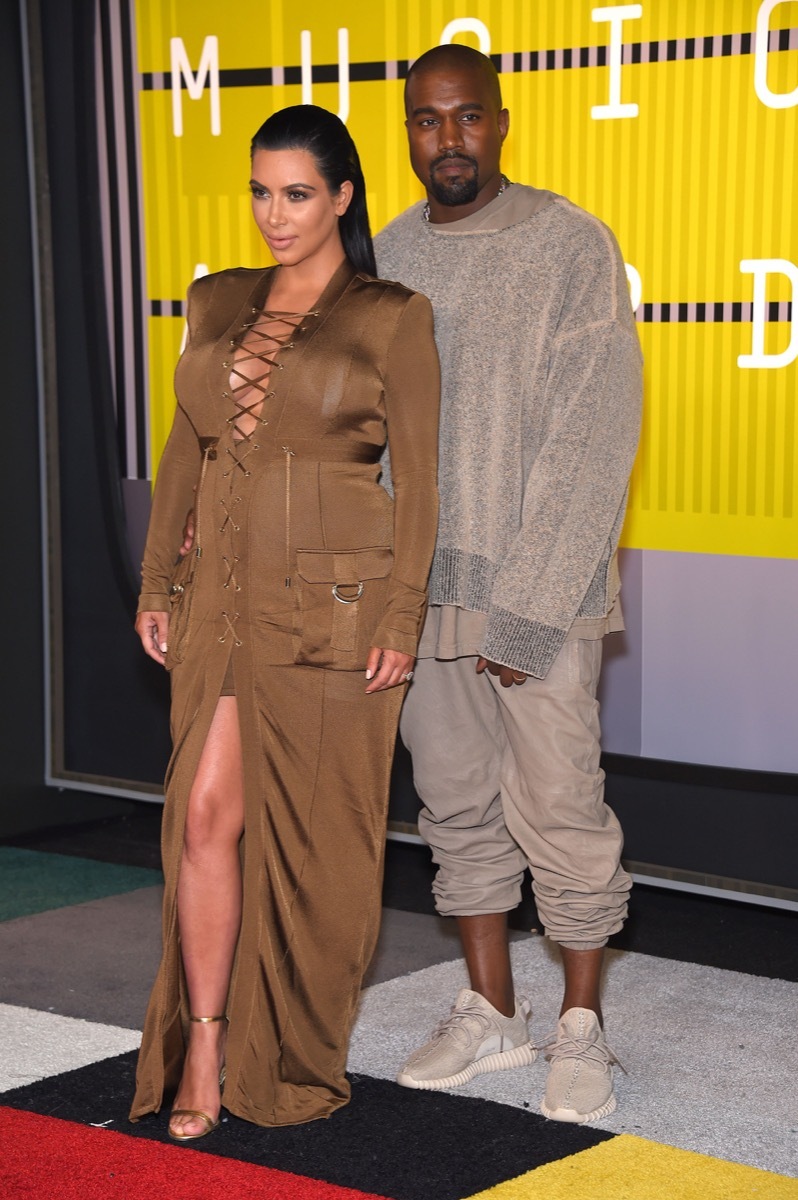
(269, 332)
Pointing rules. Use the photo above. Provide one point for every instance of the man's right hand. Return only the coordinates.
(153, 629)
(188, 534)
(506, 676)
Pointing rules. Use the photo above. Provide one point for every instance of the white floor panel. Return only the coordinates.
(37, 1044)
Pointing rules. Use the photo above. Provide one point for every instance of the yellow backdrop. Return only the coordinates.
(700, 179)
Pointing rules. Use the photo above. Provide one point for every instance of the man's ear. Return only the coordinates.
(504, 123)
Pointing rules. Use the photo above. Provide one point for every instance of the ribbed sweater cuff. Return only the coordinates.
(527, 646)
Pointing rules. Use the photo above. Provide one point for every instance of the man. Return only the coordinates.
(540, 417)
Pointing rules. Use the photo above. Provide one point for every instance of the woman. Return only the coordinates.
(304, 577)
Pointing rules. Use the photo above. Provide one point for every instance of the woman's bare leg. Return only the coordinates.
(209, 909)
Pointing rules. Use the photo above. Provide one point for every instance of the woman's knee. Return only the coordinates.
(214, 819)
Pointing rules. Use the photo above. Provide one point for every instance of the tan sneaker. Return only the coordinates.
(474, 1040)
(579, 1087)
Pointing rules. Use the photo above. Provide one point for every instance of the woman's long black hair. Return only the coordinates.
(322, 134)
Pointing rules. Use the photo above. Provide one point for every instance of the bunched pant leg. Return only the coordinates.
(510, 776)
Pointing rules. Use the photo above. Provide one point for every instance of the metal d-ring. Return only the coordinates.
(342, 599)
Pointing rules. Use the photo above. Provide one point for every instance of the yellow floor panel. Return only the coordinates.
(632, 1168)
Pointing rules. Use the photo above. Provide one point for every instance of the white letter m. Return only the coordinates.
(195, 84)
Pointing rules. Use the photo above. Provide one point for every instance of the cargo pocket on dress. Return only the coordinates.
(342, 596)
(181, 598)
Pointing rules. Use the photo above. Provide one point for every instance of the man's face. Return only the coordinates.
(455, 130)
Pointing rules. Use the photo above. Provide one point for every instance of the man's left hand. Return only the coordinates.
(506, 675)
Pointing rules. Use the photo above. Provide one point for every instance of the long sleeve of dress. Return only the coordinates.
(412, 396)
(172, 498)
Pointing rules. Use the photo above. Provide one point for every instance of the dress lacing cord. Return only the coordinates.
(249, 394)
(208, 447)
(230, 622)
(266, 353)
(228, 514)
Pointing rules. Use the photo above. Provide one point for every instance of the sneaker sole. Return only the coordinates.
(505, 1060)
(576, 1118)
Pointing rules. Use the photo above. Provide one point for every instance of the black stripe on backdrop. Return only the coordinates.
(677, 312)
(669, 50)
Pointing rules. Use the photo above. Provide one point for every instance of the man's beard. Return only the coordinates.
(458, 191)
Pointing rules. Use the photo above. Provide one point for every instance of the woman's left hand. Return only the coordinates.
(386, 668)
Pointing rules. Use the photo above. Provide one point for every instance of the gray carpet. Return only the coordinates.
(95, 960)
(712, 1055)
(411, 941)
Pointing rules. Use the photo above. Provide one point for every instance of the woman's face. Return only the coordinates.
(293, 207)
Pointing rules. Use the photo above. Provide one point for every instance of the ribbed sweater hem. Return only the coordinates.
(527, 646)
(462, 579)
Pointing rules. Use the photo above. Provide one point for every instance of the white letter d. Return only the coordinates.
(760, 268)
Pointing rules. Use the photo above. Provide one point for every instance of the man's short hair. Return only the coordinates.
(455, 57)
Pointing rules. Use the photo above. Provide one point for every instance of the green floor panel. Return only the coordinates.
(33, 882)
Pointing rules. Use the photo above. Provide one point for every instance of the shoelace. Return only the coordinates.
(456, 1024)
(580, 1047)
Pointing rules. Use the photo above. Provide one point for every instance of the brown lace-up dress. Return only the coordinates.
(302, 562)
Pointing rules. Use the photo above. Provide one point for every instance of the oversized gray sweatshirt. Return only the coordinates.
(540, 412)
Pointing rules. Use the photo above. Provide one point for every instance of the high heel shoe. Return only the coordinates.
(194, 1112)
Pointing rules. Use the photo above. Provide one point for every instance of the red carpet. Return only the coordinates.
(43, 1156)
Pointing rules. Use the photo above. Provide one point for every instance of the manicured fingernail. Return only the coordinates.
(163, 647)
(369, 674)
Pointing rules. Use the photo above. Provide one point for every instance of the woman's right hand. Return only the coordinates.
(153, 629)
